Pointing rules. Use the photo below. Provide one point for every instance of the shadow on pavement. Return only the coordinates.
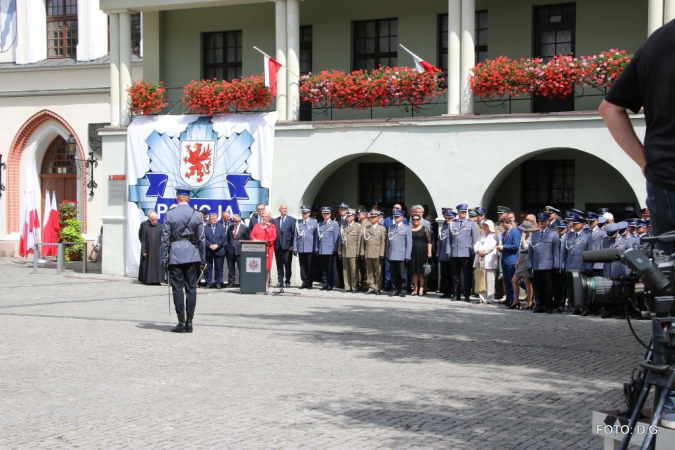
(154, 326)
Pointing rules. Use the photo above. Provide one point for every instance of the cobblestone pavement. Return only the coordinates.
(86, 361)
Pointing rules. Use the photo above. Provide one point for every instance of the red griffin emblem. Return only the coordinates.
(198, 160)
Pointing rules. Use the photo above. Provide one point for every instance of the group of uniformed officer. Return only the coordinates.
(359, 247)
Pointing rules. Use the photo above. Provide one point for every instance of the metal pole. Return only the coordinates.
(35, 261)
(60, 259)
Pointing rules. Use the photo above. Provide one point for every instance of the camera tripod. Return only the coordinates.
(661, 376)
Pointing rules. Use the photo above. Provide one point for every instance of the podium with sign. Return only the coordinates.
(253, 275)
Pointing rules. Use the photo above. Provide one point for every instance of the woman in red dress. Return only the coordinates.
(266, 231)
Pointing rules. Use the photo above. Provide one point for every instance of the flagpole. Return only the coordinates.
(287, 69)
(403, 47)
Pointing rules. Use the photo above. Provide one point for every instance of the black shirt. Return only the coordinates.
(649, 82)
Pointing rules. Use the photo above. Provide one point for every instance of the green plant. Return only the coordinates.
(70, 230)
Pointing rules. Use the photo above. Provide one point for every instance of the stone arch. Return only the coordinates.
(632, 178)
(318, 181)
(14, 157)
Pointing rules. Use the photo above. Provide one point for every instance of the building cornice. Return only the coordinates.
(55, 92)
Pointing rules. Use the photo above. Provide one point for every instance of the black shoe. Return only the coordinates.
(209, 286)
(514, 305)
(288, 284)
(378, 292)
(236, 285)
(188, 323)
(324, 287)
(549, 310)
(585, 313)
(279, 285)
(393, 293)
(605, 313)
(467, 299)
(574, 312)
(217, 286)
(402, 294)
(180, 328)
(446, 296)
(309, 286)
(538, 310)
(303, 285)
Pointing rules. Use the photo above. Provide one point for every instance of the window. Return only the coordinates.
(375, 44)
(554, 34)
(61, 28)
(481, 36)
(382, 183)
(222, 55)
(481, 39)
(136, 34)
(56, 159)
(305, 67)
(547, 183)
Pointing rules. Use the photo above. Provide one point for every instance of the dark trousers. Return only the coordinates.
(559, 289)
(399, 276)
(326, 264)
(508, 270)
(183, 279)
(447, 285)
(387, 275)
(305, 260)
(341, 276)
(543, 287)
(461, 265)
(214, 264)
(284, 260)
(232, 262)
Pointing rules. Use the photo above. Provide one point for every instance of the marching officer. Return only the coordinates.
(373, 247)
(577, 241)
(183, 250)
(443, 255)
(305, 241)
(328, 237)
(463, 235)
(543, 256)
(399, 251)
(349, 248)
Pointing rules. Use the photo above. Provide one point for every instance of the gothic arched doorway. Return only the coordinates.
(58, 174)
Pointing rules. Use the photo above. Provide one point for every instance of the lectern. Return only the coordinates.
(253, 274)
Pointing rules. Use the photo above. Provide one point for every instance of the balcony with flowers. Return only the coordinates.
(499, 86)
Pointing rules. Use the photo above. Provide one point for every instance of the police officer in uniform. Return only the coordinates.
(559, 276)
(642, 233)
(349, 248)
(443, 255)
(553, 215)
(328, 238)
(373, 248)
(183, 249)
(305, 241)
(341, 219)
(577, 241)
(463, 235)
(543, 257)
(399, 251)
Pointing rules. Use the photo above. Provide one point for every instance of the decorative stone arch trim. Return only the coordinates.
(14, 166)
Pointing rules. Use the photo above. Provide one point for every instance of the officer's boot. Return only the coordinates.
(180, 328)
(188, 323)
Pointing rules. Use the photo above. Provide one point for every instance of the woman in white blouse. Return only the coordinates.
(489, 257)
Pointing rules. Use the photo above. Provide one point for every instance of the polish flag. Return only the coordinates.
(30, 226)
(420, 64)
(50, 227)
(272, 67)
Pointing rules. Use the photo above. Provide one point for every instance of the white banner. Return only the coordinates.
(226, 160)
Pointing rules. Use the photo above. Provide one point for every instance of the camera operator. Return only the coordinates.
(642, 85)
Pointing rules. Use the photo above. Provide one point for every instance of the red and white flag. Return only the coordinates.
(50, 226)
(272, 67)
(420, 64)
(30, 226)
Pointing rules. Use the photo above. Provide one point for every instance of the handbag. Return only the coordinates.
(480, 280)
(427, 269)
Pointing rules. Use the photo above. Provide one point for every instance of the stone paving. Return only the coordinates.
(86, 361)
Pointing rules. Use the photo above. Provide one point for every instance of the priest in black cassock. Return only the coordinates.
(151, 270)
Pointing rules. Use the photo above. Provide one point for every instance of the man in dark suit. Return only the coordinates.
(214, 236)
(236, 233)
(283, 246)
(226, 223)
(256, 217)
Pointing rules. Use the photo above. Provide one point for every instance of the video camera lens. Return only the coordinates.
(585, 290)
